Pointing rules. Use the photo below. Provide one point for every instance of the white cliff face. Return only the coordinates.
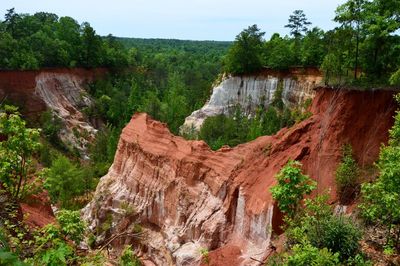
(64, 94)
(249, 92)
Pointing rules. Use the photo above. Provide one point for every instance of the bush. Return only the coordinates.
(71, 225)
(64, 182)
(380, 200)
(291, 188)
(318, 225)
(347, 176)
(305, 255)
(128, 258)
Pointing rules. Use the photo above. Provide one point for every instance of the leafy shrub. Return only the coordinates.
(51, 126)
(305, 255)
(318, 225)
(380, 200)
(16, 151)
(128, 258)
(64, 182)
(71, 225)
(347, 175)
(291, 188)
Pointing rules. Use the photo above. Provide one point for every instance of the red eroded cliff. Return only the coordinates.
(20, 86)
(60, 90)
(188, 197)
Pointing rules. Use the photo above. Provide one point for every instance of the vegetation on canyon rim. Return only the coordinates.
(169, 79)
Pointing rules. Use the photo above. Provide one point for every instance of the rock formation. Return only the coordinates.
(188, 197)
(251, 91)
(60, 90)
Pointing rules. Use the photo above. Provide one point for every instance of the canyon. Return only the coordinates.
(60, 90)
(187, 197)
(296, 86)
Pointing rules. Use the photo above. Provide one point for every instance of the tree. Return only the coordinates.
(346, 176)
(91, 46)
(174, 105)
(279, 52)
(64, 182)
(291, 188)
(317, 224)
(245, 55)
(380, 199)
(352, 14)
(313, 48)
(298, 23)
(16, 151)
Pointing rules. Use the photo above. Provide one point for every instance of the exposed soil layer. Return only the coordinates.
(198, 198)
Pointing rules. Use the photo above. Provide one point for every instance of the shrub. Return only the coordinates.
(71, 225)
(318, 225)
(291, 188)
(306, 254)
(64, 182)
(347, 176)
(380, 200)
(128, 258)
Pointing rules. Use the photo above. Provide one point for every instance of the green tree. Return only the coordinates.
(347, 176)
(291, 188)
(279, 52)
(64, 182)
(352, 14)
(245, 55)
(313, 48)
(129, 258)
(298, 23)
(91, 46)
(380, 199)
(174, 105)
(317, 225)
(16, 151)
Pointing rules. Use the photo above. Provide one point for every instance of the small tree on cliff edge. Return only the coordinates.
(291, 188)
(16, 151)
(245, 55)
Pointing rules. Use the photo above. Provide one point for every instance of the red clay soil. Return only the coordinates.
(37, 211)
(19, 86)
(150, 159)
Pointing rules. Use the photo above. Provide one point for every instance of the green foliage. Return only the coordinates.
(395, 78)
(347, 175)
(305, 255)
(245, 55)
(381, 198)
(174, 106)
(45, 40)
(279, 52)
(291, 188)
(317, 225)
(237, 127)
(297, 23)
(64, 182)
(129, 258)
(51, 126)
(205, 255)
(16, 151)
(71, 225)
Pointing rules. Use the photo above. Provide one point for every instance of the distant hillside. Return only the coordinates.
(174, 44)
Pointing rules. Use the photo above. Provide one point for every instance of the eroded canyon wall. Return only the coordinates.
(252, 91)
(60, 90)
(188, 197)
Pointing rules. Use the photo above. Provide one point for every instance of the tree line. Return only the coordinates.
(363, 48)
(46, 40)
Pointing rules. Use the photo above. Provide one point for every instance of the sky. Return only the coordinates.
(219, 20)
